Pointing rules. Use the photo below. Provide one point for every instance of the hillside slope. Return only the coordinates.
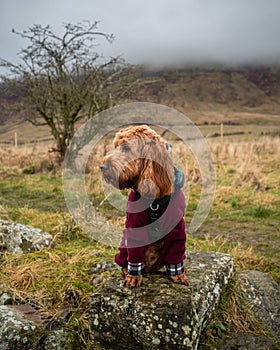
(229, 94)
(206, 95)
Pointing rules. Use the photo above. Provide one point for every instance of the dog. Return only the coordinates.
(154, 234)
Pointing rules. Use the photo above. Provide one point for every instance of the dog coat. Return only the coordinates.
(138, 234)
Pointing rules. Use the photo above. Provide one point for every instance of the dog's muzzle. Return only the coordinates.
(104, 167)
(104, 170)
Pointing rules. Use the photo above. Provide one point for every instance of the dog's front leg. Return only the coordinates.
(181, 278)
(131, 281)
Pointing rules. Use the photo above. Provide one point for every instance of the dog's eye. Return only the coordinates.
(125, 147)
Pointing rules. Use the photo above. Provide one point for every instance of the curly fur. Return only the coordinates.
(140, 161)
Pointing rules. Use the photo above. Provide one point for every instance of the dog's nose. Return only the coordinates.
(104, 166)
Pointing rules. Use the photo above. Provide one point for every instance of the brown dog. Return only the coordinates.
(155, 231)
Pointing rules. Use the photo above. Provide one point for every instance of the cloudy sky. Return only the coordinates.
(159, 31)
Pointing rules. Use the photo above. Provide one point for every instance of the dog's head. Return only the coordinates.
(140, 161)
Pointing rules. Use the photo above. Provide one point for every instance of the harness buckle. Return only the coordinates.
(154, 209)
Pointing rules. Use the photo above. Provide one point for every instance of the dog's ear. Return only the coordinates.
(157, 177)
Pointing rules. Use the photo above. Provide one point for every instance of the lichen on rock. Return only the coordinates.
(17, 238)
(60, 339)
(160, 314)
(20, 328)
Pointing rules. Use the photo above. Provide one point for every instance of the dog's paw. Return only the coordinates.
(181, 279)
(132, 281)
(124, 272)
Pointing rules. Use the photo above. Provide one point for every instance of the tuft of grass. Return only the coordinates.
(261, 212)
(232, 316)
(41, 193)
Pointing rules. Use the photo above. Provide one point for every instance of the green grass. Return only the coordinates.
(261, 212)
(40, 193)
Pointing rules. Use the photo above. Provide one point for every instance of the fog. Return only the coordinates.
(159, 32)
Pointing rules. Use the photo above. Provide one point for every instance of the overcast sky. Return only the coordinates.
(159, 31)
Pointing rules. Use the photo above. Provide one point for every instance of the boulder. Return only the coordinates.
(20, 327)
(262, 293)
(160, 314)
(247, 342)
(18, 238)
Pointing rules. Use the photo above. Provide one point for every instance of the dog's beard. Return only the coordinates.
(119, 176)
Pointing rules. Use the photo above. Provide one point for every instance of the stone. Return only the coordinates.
(20, 327)
(262, 293)
(159, 314)
(247, 342)
(59, 339)
(18, 238)
(6, 299)
(102, 267)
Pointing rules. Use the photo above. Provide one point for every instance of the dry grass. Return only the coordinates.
(244, 257)
(24, 156)
(246, 152)
(240, 318)
(232, 317)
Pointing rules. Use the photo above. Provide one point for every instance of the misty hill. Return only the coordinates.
(194, 91)
(206, 95)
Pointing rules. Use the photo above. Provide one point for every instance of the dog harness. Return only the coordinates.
(158, 206)
(161, 213)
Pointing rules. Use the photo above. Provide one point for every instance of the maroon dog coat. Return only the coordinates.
(169, 228)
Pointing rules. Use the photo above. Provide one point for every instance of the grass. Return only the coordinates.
(233, 316)
(243, 221)
(45, 279)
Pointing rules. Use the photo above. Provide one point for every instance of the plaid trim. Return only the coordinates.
(135, 269)
(176, 269)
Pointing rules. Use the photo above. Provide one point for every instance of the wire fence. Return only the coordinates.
(16, 142)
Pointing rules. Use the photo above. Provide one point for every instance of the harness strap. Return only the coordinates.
(157, 207)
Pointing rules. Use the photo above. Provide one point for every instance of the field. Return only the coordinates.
(243, 220)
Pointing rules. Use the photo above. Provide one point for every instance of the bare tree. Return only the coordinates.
(62, 79)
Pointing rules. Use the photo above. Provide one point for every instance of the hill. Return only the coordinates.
(211, 95)
(206, 95)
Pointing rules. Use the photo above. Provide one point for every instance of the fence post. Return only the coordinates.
(16, 140)
(222, 132)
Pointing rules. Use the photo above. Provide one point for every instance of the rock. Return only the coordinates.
(18, 238)
(159, 314)
(6, 299)
(263, 294)
(248, 342)
(60, 339)
(20, 327)
(97, 280)
(102, 267)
